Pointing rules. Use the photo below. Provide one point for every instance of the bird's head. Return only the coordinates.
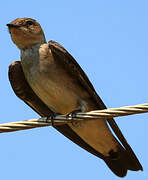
(26, 32)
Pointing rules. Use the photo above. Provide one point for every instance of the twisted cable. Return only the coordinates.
(62, 119)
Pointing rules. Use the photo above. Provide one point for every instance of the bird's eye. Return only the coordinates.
(29, 23)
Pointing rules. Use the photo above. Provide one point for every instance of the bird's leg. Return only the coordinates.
(51, 117)
(73, 114)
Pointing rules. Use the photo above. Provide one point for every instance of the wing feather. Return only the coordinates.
(73, 67)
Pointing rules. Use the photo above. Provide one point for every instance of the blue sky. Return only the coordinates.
(109, 39)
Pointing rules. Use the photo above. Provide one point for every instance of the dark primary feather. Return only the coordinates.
(126, 158)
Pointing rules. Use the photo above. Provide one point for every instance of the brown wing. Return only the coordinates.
(22, 89)
(60, 55)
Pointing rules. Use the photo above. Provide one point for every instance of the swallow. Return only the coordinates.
(50, 81)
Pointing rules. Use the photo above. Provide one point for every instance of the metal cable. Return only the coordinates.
(62, 119)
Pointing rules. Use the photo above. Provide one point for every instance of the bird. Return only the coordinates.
(50, 81)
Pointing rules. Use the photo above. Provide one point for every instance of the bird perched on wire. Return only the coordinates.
(50, 81)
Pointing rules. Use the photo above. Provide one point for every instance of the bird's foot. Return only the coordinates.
(51, 117)
(73, 113)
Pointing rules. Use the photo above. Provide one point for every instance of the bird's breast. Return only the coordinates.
(54, 86)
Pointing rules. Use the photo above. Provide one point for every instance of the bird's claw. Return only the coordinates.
(51, 117)
(73, 114)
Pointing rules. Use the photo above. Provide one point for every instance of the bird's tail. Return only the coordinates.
(121, 161)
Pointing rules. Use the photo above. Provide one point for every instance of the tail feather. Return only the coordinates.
(121, 161)
(116, 167)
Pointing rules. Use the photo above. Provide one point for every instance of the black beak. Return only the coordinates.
(13, 25)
